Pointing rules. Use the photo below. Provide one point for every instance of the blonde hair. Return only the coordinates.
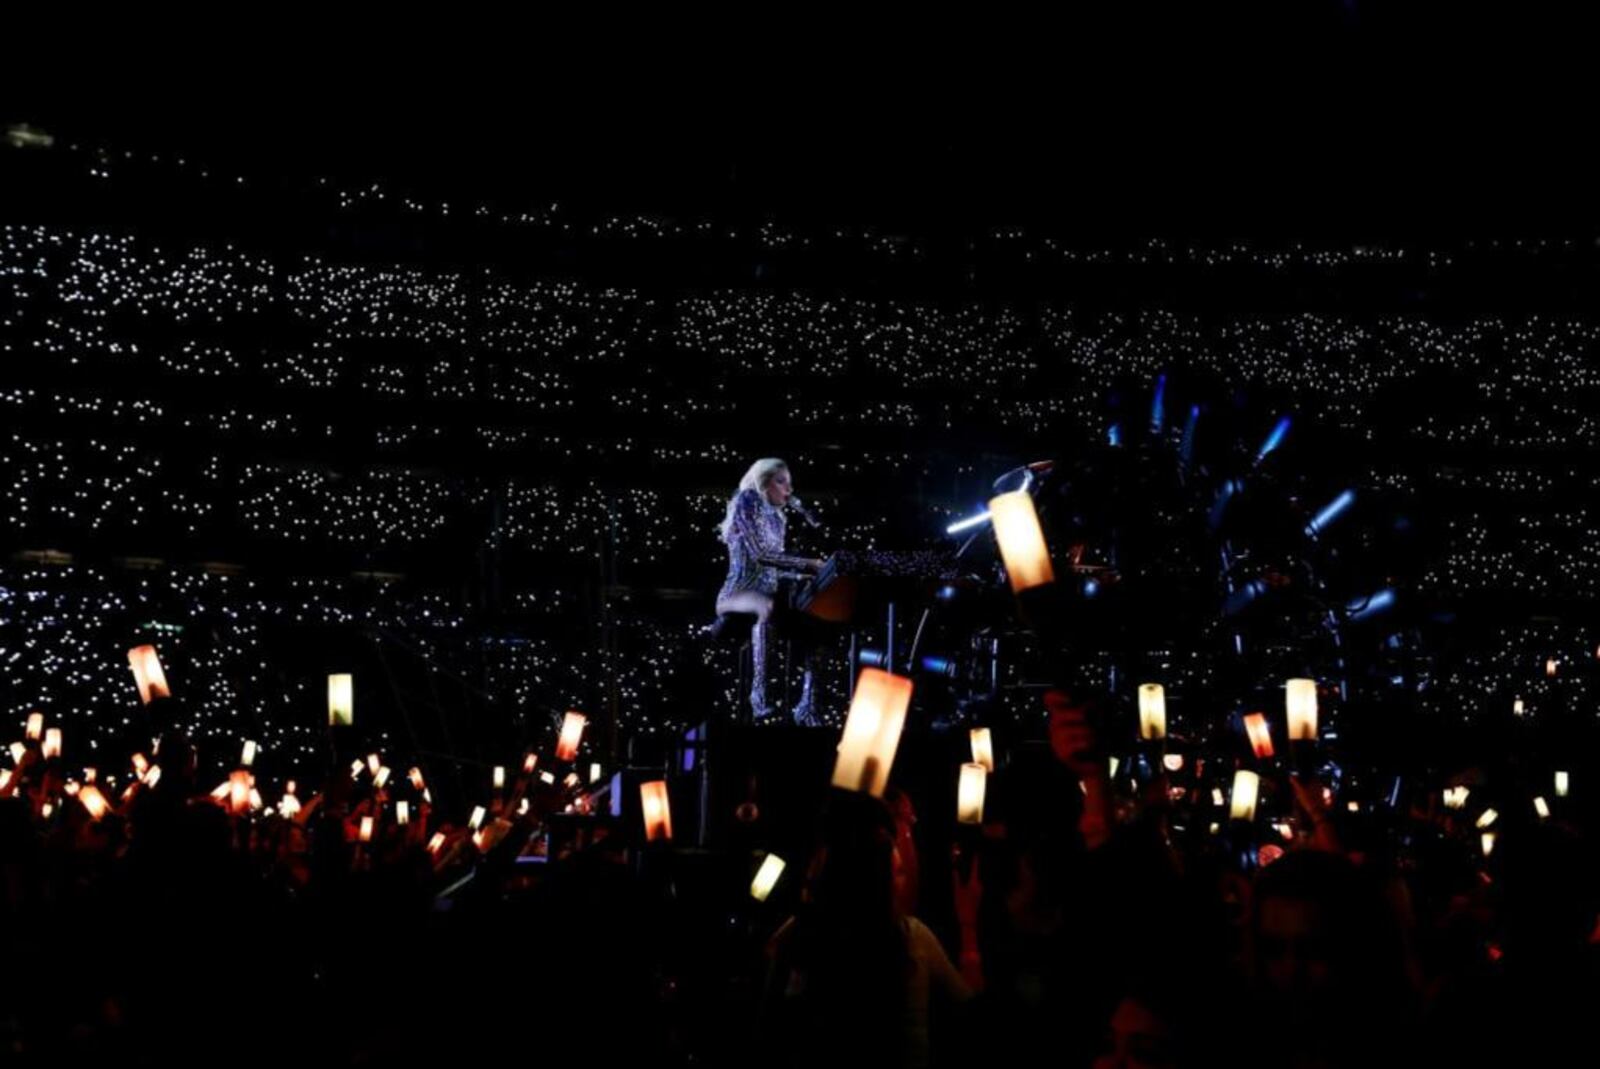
(760, 474)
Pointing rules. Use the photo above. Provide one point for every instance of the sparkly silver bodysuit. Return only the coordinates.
(757, 531)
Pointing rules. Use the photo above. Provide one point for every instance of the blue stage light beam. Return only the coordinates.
(1274, 439)
(1224, 495)
(968, 523)
(1332, 511)
(1158, 413)
(1186, 446)
(1370, 606)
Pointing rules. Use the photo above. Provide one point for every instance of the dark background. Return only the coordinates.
(1000, 173)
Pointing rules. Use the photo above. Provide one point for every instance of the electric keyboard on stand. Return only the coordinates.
(855, 590)
(854, 582)
(796, 565)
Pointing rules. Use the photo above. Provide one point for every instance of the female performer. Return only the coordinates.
(753, 530)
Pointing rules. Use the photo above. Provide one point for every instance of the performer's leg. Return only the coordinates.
(760, 606)
(760, 640)
(811, 641)
(805, 713)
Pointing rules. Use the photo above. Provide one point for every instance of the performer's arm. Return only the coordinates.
(747, 527)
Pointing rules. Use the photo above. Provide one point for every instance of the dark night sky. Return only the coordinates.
(1336, 120)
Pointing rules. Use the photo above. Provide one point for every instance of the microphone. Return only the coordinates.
(805, 513)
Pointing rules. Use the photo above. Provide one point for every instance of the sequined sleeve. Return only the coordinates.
(758, 538)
